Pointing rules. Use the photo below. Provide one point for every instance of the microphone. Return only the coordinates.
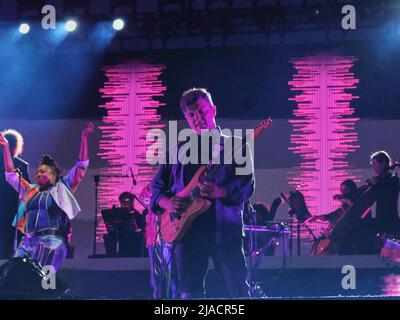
(133, 177)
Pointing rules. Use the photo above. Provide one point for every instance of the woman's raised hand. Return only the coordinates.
(89, 129)
(3, 140)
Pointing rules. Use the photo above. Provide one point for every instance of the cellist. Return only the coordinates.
(386, 186)
(354, 242)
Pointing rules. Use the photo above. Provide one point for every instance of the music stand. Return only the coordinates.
(121, 222)
(96, 180)
(302, 214)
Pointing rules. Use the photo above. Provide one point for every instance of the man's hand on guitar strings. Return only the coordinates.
(176, 204)
(211, 190)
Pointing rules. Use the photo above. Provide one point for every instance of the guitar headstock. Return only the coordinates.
(259, 129)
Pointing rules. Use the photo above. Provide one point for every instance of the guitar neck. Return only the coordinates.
(214, 169)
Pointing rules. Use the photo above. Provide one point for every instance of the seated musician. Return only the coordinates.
(383, 190)
(357, 242)
(349, 192)
(127, 200)
(129, 241)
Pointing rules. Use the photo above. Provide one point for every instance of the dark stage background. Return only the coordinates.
(246, 83)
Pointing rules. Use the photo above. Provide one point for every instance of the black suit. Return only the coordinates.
(387, 193)
(9, 207)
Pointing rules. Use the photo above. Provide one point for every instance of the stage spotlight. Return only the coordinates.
(71, 25)
(118, 24)
(24, 28)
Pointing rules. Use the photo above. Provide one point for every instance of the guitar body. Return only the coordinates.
(172, 228)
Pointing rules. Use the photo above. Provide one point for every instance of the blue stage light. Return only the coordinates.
(118, 24)
(24, 28)
(71, 25)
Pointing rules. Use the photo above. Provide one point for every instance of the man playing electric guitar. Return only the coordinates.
(218, 231)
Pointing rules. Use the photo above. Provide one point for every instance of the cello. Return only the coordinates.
(344, 225)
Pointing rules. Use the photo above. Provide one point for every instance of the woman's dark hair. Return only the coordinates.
(382, 156)
(52, 164)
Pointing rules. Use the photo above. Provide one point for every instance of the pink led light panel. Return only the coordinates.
(323, 125)
(133, 90)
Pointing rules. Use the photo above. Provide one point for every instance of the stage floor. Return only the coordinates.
(302, 277)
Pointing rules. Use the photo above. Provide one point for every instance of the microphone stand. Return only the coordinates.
(146, 208)
(298, 237)
(291, 213)
(15, 245)
(251, 247)
(96, 179)
(300, 221)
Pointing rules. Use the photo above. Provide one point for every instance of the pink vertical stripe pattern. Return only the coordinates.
(323, 127)
(133, 90)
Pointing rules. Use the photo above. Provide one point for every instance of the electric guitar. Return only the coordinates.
(175, 225)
